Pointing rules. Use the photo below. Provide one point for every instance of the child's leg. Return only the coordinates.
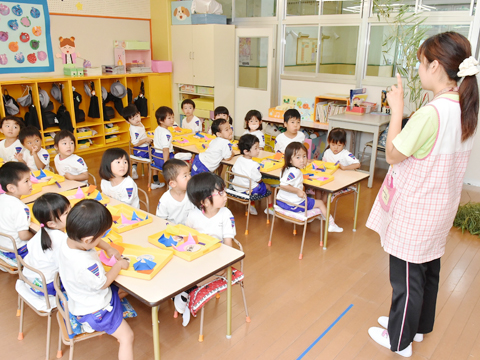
(124, 335)
(270, 197)
(122, 293)
(321, 205)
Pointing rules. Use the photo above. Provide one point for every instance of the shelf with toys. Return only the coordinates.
(95, 134)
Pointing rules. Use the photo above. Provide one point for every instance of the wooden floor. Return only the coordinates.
(291, 302)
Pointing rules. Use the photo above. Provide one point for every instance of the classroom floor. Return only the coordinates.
(291, 302)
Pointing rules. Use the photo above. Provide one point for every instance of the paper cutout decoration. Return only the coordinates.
(135, 217)
(187, 244)
(144, 264)
(167, 241)
(107, 261)
(99, 197)
(91, 189)
(41, 175)
(33, 179)
(120, 249)
(115, 218)
(79, 194)
(278, 156)
(52, 181)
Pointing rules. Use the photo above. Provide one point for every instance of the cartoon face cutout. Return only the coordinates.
(25, 21)
(24, 37)
(37, 30)
(4, 10)
(181, 13)
(17, 10)
(34, 44)
(67, 49)
(35, 13)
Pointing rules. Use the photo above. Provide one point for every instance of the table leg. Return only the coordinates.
(356, 207)
(374, 157)
(325, 237)
(155, 333)
(229, 302)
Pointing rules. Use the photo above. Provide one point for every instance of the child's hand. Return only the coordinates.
(111, 252)
(341, 167)
(68, 176)
(124, 264)
(19, 157)
(35, 149)
(149, 140)
(300, 193)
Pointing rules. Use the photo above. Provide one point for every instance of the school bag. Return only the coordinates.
(79, 113)
(141, 101)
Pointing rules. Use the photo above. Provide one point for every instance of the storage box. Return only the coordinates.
(187, 88)
(208, 19)
(84, 134)
(356, 110)
(159, 66)
(181, 12)
(113, 129)
(70, 71)
(205, 90)
(123, 212)
(111, 138)
(204, 104)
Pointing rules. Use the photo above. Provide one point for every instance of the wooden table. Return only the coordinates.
(65, 186)
(366, 123)
(178, 275)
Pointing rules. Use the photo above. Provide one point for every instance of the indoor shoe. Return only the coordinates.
(180, 302)
(253, 211)
(270, 211)
(383, 321)
(332, 227)
(186, 317)
(134, 174)
(380, 336)
(157, 185)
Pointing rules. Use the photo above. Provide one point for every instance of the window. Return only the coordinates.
(227, 7)
(255, 8)
(338, 49)
(302, 7)
(301, 45)
(253, 62)
(444, 5)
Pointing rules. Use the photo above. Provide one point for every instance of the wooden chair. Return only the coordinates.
(9, 266)
(65, 333)
(297, 218)
(140, 160)
(44, 305)
(145, 202)
(152, 166)
(91, 176)
(340, 194)
(243, 198)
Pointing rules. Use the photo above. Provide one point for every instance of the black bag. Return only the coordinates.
(31, 117)
(49, 119)
(141, 102)
(79, 113)
(9, 103)
(94, 108)
(130, 96)
(64, 119)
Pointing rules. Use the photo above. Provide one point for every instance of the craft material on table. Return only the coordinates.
(270, 163)
(127, 218)
(91, 192)
(323, 166)
(46, 177)
(177, 130)
(199, 139)
(316, 178)
(185, 242)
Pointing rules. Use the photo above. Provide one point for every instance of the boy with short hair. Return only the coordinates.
(219, 148)
(14, 214)
(191, 121)
(10, 147)
(33, 154)
(138, 136)
(162, 142)
(291, 120)
(174, 204)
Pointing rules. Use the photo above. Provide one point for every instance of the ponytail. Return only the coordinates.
(468, 92)
(45, 239)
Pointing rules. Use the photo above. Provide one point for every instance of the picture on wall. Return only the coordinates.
(306, 51)
(25, 43)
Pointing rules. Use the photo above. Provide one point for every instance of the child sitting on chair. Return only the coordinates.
(72, 166)
(220, 148)
(245, 165)
(33, 154)
(174, 205)
(190, 121)
(14, 214)
(253, 125)
(336, 152)
(162, 142)
(10, 147)
(291, 120)
(138, 136)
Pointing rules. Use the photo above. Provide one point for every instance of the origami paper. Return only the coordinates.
(91, 189)
(51, 181)
(106, 233)
(99, 197)
(41, 175)
(135, 217)
(167, 241)
(33, 179)
(125, 221)
(144, 264)
(190, 241)
(107, 261)
(79, 194)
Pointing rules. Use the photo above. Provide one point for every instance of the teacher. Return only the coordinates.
(415, 208)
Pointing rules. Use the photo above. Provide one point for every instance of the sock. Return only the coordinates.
(155, 178)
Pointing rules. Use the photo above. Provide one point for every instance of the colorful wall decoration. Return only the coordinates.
(25, 43)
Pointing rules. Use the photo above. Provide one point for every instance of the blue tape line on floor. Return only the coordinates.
(326, 331)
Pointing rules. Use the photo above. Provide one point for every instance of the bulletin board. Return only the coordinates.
(306, 51)
(25, 37)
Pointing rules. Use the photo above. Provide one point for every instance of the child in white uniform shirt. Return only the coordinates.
(190, 121)
(33, 154)
(116, 182)
(253, 124)
(219, 148)
(91, 296)
(336, 152)
(162, 142)
(10, 147)
(14, 214)
(245, 165)
(138, 136)
(291, 120)
(51, 211)
(174, 205)
(291, 185)
(207, 192)
(72, 166)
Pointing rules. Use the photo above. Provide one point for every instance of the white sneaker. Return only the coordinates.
(380, 336)
(383, 321)
(134, 174)
(253, 211)
(270, 211)
(157, 185)
(332, 227)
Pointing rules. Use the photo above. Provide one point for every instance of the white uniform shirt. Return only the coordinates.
(14, 217)
(247, 167)
(126, 191)
(45, 261)
(218, 149)
(220, 226)
(83, 277)
(259, 134)
(8, 153)
(138, 133)
(195, 124)
(28, 157)
(345, 157)
(172, 210)
(162, 139)
(282, 141)
(74, 165)
(291, 176)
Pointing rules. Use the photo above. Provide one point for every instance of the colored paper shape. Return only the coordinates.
(91, 189)
(190, 241)
(52, 181)
(278, 156)
(106, 233)
(41, 175)
(115, 218)
(33, 179)
(167, 241)
(119, 248)
(79, 194)
(106, 260)
(144, 264)
(135, 217)
(99, 197)
(125, 221)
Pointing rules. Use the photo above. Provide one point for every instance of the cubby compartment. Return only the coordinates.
(107, 84)
(79, 86)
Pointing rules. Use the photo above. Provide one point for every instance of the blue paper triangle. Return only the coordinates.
(99, 197)
(135, 217)
(41, 175)
(167, 241)
(144, 264)
(107, 233)
(146, 218)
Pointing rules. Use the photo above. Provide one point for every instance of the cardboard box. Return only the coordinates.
(276, 114)
(182, 12)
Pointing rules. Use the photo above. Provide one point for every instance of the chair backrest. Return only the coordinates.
(240, 247)
(4, 249)
(131, 148)
(22, 264)
(145, 202)
(62, 304)
(304, 207)
(90, 175)
(229, 180)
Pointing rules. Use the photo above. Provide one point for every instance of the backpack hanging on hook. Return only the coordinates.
(94, 108)
(141, 101)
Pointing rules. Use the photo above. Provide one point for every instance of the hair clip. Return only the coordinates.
(42, 225)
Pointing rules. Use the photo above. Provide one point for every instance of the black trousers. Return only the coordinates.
(414, 298)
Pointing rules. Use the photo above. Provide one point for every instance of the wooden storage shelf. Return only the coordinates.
(157, 92)
(329, 98)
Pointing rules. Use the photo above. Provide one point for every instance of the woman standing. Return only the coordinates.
(415, 208)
